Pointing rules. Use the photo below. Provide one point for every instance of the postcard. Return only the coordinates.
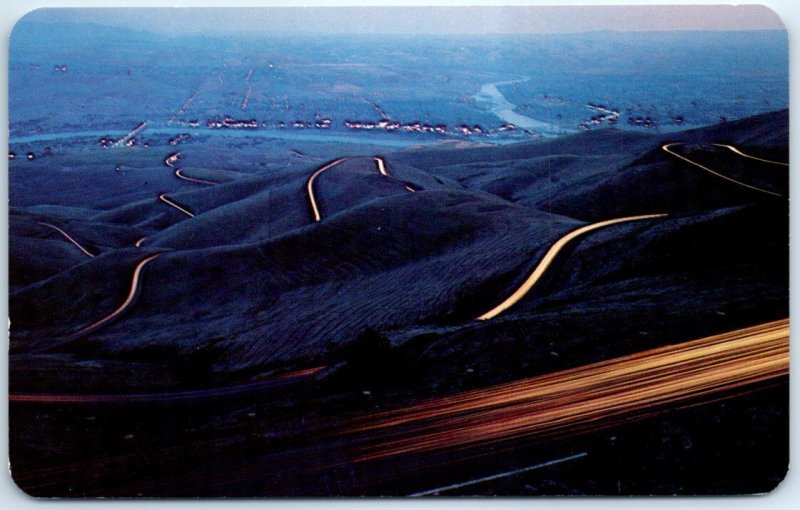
(398, 251)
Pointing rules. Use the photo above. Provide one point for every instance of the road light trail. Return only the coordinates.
(310, 186)
(138, 243)
(381, 164)
(740, 153)
(68, 238)
(175, 396)
(163, 197)
(179, 175)
(172, 159)
(548, 258)
(586, 398)
(125, 304)
(666, 148)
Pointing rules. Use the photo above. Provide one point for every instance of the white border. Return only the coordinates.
(785, 497)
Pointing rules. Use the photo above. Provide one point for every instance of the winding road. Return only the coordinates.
(667, 148)
(548, 258)
(179, 175)
(125, 304)
(170, 162)
(174, 158)
(740, 153)
(163, 197)
(310, 186)
(380, 165)
(68, 238)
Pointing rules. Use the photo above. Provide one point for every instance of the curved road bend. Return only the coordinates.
(179, 175)
(176, 396)
(163, 197)
(380, 164)
(589, 397)
(548, 258)
(125, 304)
(67, 237)
(174, 158)
(310, 186)
(666, 148)
(740, 153)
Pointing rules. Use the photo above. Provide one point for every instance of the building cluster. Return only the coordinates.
(646, 122)
(393, 125)
(231, 123)
(108, 141)
(175, 140)
(384, 124)
(30, 156)
(605, 115)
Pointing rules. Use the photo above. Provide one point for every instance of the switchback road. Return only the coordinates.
(174, 158)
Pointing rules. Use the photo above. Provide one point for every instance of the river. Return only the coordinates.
(497, 103)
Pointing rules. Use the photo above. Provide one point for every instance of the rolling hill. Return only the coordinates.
(255, 284)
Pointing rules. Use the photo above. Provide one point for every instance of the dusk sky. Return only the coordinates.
(430, 20)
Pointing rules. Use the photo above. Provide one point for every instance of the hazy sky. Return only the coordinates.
(428, 20)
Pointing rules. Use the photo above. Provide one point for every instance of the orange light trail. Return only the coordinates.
(172, 159)
(666, 148)
(379, 163)
(585, 398)
(310, 187)
(68, 398)
(128, 300)
(548, 258)
(740, 153)
(163, 198)
(179, 175)
(68, 238)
